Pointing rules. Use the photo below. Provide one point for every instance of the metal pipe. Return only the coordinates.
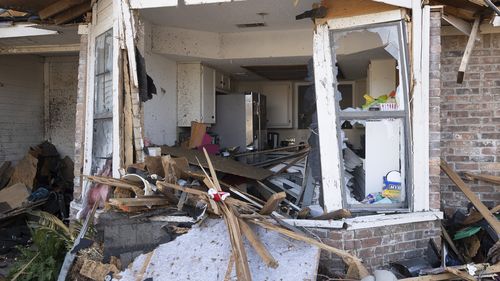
(492, 6)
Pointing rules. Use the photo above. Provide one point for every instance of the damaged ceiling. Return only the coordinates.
(48, 11)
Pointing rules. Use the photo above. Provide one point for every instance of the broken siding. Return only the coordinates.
(62, 80)
(21, 105)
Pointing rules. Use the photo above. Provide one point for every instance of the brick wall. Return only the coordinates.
(434, 111)
(80, 117)
(378, 246)
(470, 117)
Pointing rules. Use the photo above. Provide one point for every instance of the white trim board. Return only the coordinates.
(399, 3)
(325, 78)
(147, 4)
(349, 22)
(365, 222)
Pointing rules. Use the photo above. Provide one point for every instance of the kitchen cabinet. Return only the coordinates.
(195, 94)
(222, 82)
(279, 104)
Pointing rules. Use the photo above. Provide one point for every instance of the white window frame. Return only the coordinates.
(96, 28)
(327, 118)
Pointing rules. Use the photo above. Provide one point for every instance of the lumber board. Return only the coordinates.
(57, 7)
(463, 275)
(198, 131)
(220, 164)
(468, 50)
(455, 178)
(484, 177)
(129, 185)
(272, 203)
(259, 247)
(138, 202)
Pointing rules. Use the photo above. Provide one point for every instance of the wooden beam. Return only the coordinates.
(39, 49)
(455, 178)
(459, 24)
(483, 177)
(479, 2)
(72, 13)
(272, 203)
(259, 247)
(450, 242)
(468, 50)
(57, 7)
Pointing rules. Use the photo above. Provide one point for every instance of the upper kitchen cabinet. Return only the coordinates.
(279, 104)
(195, 94)
(222, 82)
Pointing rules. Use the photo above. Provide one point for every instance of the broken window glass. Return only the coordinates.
(103, 101)
(373, 115)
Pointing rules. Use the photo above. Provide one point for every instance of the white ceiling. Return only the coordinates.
(233, 67)
(223, 17)
(66, 35)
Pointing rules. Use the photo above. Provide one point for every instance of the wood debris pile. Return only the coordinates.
(202, 190)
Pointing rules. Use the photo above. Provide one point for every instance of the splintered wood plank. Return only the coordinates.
(455, 178)
(475, 216)
(272, 203)
(335, 215)
(220, 164)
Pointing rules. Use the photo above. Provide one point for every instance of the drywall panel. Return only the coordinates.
(62, 89)
(21, 105)
(160, 113)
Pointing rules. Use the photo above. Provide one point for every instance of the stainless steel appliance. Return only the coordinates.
(241, 121)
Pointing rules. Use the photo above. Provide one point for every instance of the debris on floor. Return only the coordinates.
(188, 194)
(38, 187)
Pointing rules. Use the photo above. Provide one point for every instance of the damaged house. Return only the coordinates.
(339, 124)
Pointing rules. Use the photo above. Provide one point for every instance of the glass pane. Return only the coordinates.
(103, 101)
(374, 161)
(102, 147)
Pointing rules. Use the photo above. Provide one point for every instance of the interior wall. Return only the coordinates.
(60, 102)
(160, 113)
(21, 105)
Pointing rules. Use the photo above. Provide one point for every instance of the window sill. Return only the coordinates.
(372, 221)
